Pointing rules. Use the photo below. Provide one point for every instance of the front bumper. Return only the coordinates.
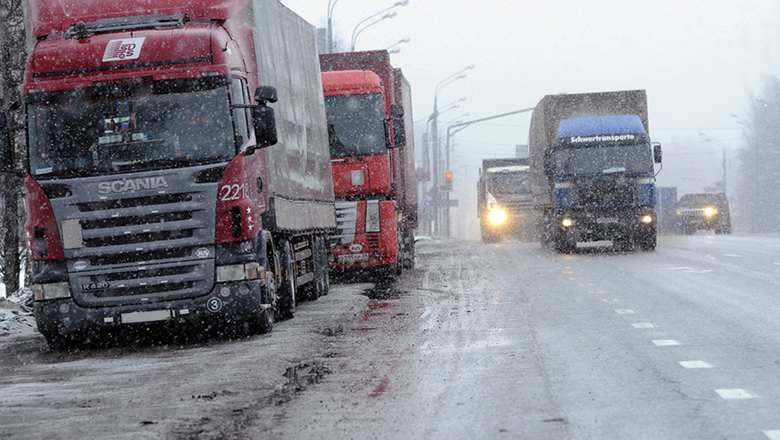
(226, 304)
(607, 224)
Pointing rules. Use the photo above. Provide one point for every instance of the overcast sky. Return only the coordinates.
(699, 61)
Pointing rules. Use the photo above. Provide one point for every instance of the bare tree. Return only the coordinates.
(12, 60)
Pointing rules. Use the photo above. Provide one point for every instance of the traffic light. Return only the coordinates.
(447, 181)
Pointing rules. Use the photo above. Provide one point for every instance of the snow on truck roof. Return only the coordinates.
(600, 125)
(509, 169)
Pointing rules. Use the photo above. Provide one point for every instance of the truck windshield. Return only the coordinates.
(355, 125)
(79, 133)
(634, 159)
(509, 183)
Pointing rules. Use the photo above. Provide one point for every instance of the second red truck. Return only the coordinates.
(369, 111)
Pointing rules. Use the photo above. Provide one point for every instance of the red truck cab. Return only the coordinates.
(368, 107)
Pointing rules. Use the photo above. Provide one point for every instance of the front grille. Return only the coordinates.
(600, 195)
(154, 244)
(346, 221)
(373, 241)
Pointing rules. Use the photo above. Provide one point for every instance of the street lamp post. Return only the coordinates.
(355, 31)
(723, 149)
(435, 134)
(329, 36)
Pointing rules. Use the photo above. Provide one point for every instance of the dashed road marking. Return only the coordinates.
(609, 300)
(732, 255)
(665, 342)
(643, 325)
(597, 291)
(624, 311)
(687, 269)
(773, 434)
(733, 393)
(695, 364)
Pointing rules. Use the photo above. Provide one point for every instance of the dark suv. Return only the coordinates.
(704, 211)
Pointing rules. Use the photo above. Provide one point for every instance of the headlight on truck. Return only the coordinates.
(497, 216)
(647, 219)
(43, 292)
(238, 272)
(567, 223)
(709, 212)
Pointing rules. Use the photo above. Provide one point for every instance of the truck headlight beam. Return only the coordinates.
(497, 217)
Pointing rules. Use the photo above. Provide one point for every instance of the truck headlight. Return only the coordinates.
(238, 272)
(567, 223)
(50, 291)
(497, 217)
(647, 219)
(709, 212)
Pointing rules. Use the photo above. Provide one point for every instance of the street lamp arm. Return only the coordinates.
(397, 4)
(384, 17)
(491, 117)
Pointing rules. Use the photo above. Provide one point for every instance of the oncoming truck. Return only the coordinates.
(178, 168)
(368, 104)
(505, 199)
(592, 167)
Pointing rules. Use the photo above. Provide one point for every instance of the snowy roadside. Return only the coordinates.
(16, 317)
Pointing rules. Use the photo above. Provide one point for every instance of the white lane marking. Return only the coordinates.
(732, 255)
(665, 342)
(597, 291)
(695, 364)
(777, 264)
(609, 300)
(643, 325)
(733, 393)
(624, 311)
(773, 434)
(689, 269)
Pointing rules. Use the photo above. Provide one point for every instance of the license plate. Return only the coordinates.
(351, 258)
(603, 220)
(154, 315)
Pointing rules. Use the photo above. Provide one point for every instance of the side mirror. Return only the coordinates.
(397, 110)
(265, 94)
(657, 153)
(547, 163)
(264, 121)
(399, 133)
(264, 118)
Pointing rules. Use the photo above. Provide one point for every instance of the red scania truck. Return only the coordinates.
(368, 104)
(178, 167)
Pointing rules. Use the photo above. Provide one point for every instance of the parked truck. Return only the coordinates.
(592, 167)
(178, 165)
(368, 104)
(505, 200)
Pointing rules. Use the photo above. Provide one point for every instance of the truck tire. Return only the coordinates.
(648, 241)
(564, 244)
(489, 236)
(311, 291)
(286, 287)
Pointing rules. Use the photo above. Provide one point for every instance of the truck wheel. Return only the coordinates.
(688, 230)
(648, 242)
(311, 291)
(286, 299)
(624, 244)
(564, 245)
(489, 236)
